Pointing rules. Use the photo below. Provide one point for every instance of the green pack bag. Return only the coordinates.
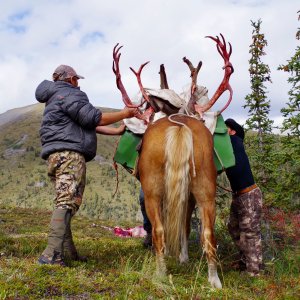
(223, 152)
(126, 154)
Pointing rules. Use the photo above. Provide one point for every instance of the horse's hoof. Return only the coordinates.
(215, 282)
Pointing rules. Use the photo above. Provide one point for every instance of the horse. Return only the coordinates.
(176, 168)
(177, 171)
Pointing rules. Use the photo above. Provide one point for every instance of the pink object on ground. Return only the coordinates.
(137, 231)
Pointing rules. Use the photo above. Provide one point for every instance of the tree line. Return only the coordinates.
(275, 158)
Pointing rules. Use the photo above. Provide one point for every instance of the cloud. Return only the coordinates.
(37, 36)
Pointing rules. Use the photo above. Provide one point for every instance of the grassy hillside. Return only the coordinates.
(24, 181)
(120, 268)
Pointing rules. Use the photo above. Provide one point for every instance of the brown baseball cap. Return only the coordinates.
(63, 72)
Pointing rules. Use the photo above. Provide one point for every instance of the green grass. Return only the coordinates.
(120, 268)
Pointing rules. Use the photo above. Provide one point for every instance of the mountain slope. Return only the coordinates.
(23, 174)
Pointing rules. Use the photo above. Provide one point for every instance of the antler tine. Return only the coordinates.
(194, 73)
(116, 70)
(138, 76)
(116, 59)
(222, 49)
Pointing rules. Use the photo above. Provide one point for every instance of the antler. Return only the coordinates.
(116, 69)
(194, 75)
(163, 77)
(221, 47)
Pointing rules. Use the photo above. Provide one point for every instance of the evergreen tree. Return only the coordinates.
(258, 109)
(291, 112)
(289, 189)
(256, 101)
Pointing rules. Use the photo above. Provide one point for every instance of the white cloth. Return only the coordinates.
(138, 126)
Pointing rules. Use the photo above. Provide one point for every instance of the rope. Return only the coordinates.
(116, 168)
(225, 189)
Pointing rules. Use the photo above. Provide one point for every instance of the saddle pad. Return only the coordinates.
(126, 153)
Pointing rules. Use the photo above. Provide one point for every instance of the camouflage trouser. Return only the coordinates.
(244, 227)
(67, 169)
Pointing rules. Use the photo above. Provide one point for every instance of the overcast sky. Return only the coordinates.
(37, 36)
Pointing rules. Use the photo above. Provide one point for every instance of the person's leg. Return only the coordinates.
(68, 170)
(53, 254)
(146, 222)
(69, 246)
(250, 240)
(234, 231)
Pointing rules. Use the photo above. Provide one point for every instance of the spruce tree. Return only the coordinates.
(257, 102)
(289, 189)
(261, 139)
(258, 106)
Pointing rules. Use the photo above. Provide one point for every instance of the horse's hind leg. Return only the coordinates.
(152, 204)
(206, 204)
(208, 240)
(184, 256)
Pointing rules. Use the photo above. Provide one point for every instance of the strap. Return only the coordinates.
(219, 158)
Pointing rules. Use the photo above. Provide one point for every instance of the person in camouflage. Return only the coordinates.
(68, 138)
(246, 207)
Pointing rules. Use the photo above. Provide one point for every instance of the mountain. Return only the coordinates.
(23, 174)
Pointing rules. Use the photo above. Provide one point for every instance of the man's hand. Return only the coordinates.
(130, 112)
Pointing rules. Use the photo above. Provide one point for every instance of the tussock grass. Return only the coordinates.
(120, 268)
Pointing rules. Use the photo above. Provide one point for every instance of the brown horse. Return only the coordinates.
(177, 171)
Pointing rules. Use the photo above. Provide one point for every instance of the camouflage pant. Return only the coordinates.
(67, 169)
(244, 227)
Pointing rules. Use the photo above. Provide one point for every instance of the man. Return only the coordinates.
(246, 206)
(68, 137)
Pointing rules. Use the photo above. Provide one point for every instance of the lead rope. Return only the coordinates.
(116, 169)
(182, 124)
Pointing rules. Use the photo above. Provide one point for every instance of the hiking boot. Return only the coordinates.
(148, 241)
(253, 274)
(77, 257)
(68, 244)
(56, 259)
(53, 254)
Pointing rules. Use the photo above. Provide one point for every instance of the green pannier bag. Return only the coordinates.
(223, 152)
(127, 154)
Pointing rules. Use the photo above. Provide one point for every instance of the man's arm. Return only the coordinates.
(113, 117)
(110, 130)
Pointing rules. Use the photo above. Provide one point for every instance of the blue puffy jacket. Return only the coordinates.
(69, 120)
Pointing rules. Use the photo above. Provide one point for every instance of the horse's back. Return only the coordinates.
(154, 139)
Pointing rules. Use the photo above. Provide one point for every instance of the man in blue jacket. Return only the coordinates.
(68, 137)
(246, 206)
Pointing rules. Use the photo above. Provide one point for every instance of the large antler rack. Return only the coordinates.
(228, 68)
(222, 49)
(116, 69)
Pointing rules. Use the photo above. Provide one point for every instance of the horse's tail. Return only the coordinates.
(178, 151)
